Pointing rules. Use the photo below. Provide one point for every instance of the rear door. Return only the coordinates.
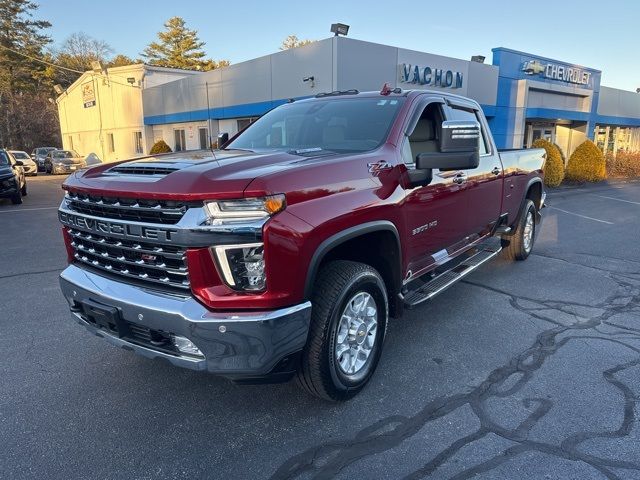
(484, 185)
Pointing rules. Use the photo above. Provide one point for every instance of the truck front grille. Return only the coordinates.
(137, 210)
(145, 262)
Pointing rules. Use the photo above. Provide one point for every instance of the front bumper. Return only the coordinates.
(8, 187)
(238, 345)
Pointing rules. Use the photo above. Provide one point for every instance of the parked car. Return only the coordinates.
(39, 155)
(63, 161)
(29, 166)
(285, 252)
(13, 183)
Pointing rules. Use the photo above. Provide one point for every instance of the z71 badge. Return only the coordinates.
(378, 167)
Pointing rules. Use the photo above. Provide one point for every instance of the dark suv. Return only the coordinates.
(13, 184)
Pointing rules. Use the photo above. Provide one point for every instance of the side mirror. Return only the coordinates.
(459, 148)
(20, 163)
(223, 138)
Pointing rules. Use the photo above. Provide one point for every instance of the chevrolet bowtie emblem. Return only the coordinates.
(533, 67)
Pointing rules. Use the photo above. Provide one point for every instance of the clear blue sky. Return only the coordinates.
(597, 34)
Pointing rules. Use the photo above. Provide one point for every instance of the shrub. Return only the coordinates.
(586, 164)
(160, 147)
(562, 155)
(624, 164)
(553, 166)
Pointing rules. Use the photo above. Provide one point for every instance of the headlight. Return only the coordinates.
(242, 265)
(232, 211)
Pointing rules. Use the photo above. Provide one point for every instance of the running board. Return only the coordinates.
(443, 281)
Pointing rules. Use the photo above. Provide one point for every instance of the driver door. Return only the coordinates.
(435, 214)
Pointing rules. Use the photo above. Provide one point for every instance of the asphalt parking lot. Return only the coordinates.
(524, 370)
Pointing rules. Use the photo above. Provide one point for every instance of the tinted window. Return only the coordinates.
(337, 125)
(470, 116)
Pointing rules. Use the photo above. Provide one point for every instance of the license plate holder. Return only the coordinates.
(105, 317)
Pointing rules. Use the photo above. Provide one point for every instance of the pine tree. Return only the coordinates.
(177, 47)
(22, 80)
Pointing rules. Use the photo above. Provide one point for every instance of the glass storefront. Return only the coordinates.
(612, 139)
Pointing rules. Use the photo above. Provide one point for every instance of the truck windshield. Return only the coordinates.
(335, 125)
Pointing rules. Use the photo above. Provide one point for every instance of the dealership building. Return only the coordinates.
(524, 96)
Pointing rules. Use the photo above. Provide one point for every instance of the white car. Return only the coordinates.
(29, 166)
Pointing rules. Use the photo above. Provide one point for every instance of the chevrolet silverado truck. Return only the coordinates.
(286, 251)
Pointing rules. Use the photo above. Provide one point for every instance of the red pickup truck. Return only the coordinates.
(286, 251)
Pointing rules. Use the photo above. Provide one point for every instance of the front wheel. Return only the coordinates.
(348, 324)
(16, 199)
(519, 245)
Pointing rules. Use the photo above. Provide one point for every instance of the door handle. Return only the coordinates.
(495, 171)
(460, 178)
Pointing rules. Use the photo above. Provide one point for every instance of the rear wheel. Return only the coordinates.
(348, 325)
(519, 245)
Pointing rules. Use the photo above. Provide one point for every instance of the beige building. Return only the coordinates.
(102, 112)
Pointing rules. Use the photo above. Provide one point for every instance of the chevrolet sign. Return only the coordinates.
(553, 71)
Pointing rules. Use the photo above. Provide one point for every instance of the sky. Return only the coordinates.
(596, 34)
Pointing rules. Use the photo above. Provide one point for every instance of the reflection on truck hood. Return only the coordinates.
(200, 174)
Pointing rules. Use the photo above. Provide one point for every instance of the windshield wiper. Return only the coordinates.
(310, 151)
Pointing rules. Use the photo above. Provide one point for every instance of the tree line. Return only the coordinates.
(30, 66)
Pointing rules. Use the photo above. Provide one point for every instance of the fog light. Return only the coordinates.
(184, 345)
(243, 266)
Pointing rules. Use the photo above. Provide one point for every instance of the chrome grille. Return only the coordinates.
(160, 265)
(138, 210)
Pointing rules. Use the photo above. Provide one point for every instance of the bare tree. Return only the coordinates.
(292, 41)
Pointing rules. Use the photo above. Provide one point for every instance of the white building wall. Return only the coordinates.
(117, 112)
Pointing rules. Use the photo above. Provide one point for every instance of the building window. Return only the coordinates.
(180, 141)
(245, 122)
(110, 142)
(203, 135)
(137, 142)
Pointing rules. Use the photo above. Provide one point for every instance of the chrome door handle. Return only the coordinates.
(460, 178)
(495, 171)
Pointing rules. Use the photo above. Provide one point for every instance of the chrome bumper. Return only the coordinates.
(234, 344)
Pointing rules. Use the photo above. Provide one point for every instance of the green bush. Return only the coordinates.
(553, 166)
(160, 147)
(586, 164)
(623, 165)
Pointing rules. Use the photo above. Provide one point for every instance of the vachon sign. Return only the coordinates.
(434, 77)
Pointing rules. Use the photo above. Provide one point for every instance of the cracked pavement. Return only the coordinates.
(523, 370)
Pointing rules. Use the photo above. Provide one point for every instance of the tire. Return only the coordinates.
(519, 245)
(344, 287)
(16, 199)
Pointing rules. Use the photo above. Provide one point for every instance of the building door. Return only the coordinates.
(536, 131)
(203, 136)
(179, 141)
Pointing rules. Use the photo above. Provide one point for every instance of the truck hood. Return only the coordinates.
(184, 175)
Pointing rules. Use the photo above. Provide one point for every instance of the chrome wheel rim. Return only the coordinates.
(528, 231)
(356, 333)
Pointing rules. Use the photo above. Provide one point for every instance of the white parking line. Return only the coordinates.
(617, 199)
(581, 216)
(27, 209)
